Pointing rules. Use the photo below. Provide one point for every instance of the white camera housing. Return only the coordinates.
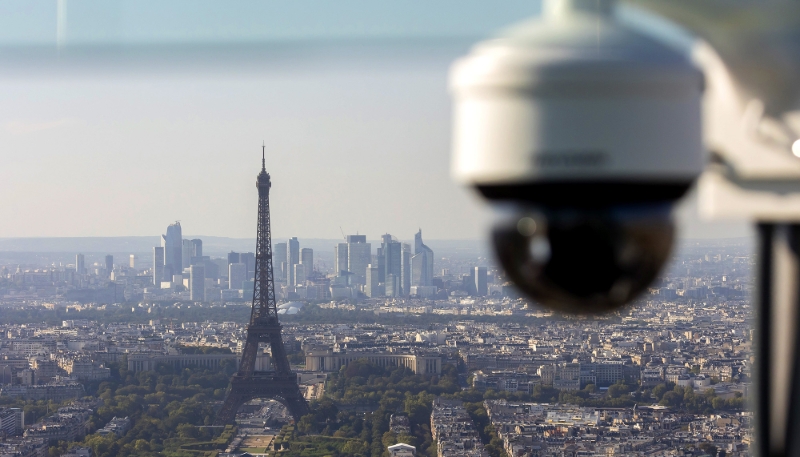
(592, 130)
(574, 96)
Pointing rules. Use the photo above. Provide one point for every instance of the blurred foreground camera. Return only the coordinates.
(585, 260)
(589, 131)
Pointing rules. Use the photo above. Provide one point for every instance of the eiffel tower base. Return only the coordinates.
(282, 388)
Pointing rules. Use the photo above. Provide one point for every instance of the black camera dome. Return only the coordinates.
(585, 261)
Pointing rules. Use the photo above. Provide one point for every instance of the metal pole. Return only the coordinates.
(762, 308)
(777, 350)
(793, 406)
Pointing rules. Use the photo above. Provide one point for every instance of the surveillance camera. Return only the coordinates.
(590, 131)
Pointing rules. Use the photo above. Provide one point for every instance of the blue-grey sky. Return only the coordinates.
(193, 21)
(117, 118)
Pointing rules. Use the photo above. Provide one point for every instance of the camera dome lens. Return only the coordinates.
(585, 261)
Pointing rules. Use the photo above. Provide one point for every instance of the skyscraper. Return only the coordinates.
(359, 256)
(197, 247)
(186, 255)
(392, 258)
(405, 273)
(421, 263)
(392, 285)
(481, 286)
(233, 257)
(292, 259)
(380, 258)
(80, 268)
(212, 269)
(307, 260)
(372, 282)
(109, 264)
(132, 261)
(419, 270)
(197, 283)
(340, 259)
(249, 260)
(279, 261)
(299, 274)
(158, 265)
(237, 275)
(172, 244)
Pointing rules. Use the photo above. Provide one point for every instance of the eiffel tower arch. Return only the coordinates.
(264, 327)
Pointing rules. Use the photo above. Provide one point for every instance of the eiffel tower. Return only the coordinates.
(248, 384)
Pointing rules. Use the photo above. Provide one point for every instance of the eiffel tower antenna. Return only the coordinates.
(248, 384)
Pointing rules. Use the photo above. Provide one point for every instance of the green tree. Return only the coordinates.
(355, 448)
(617, 390)
(659, 390)
(672, 399)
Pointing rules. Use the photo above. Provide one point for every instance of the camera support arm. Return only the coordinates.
(750, 56)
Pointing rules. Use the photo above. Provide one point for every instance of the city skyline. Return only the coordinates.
(698, 366)
(392, 271)
(689, 331)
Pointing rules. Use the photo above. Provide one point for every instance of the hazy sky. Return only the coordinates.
(99, 143)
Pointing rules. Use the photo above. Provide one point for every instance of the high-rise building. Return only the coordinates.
(279, 261)
(109, 264)
(419, 268)
(196, 251)
(299, 274)
(340, 259)
(421, 263)
(237, 275)
(372, 288)
(221, 265)
(233, 257)
(481, 285)
(247, 289)
(80, 267)
(307, 261)
(292, 259)
(405, 270)
(356, 238)
(469, 282)
(212, 269)
(158, 265)
(197, 247)
(380, 258)
(132, 261)
(173, 250)
(186, 254)
(392, 258)
(12, 422)
(359, 256)
(249, 259)
(197, 283)
(392, 285)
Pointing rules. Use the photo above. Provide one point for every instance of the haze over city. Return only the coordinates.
(397, 229)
